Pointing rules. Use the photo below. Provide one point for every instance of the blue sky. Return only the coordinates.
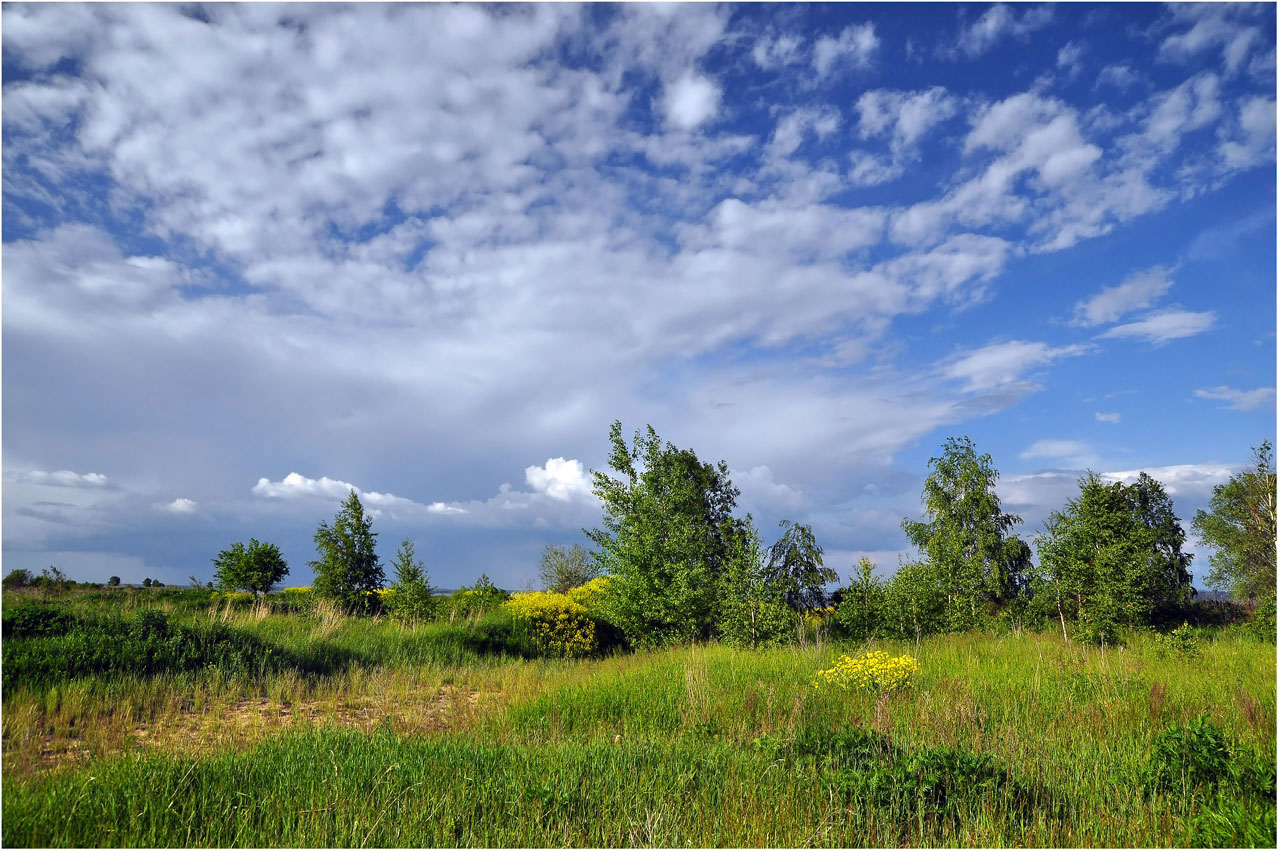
(255, 255)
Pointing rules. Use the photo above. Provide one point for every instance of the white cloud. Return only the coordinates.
(64, 478)
(559, 479)
(1072, 453)
(1000, 364)
(691, 101)
(178, 506)
(295, 486)
(760, 490)
(1070, 58)
(1244, 400)
(1164, 326)
(776, 51)
(1138, 290)
(1250, 140)
(904, 117)
(1111, 418)
(1214, 25)
(1000, 22)
(855, 47)
(1120, 76)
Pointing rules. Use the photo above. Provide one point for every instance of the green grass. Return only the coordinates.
(442, 736)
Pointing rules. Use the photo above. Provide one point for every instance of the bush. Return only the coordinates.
(1189, 757)
(28, 621)
(478, 600)
(255, 568)
(554, 624)
(1181, 641)
(873, 671)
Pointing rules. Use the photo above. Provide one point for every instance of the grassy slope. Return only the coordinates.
(422, 741)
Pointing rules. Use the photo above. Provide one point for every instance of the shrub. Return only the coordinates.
(554, 624)
(256, 567)
(1189, 757)
(1180, 641)
(873, 671)
(27, 621)
(563, 568)
(478, 600)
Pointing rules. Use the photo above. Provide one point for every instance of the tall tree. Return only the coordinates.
(1240, 528)
(348, 567)
(1114, 556)
(754, 611)
(666, 533)
(795, 564)
(254, 568)
(966, 536)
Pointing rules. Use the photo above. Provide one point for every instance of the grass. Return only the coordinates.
(440, 736)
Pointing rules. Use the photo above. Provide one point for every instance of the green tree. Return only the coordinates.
(1240, 528)
(754, 610)
(1114, 558)
(861, 609)
(966, 534)
(412, 599)
(795, 564)
(665, 539)
(348, 568)
(146, 582)
(18, 578)
(916, 602)
(254, 568)
(563, 568)
(113, 581)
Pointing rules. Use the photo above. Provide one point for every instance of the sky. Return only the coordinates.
(255, 256)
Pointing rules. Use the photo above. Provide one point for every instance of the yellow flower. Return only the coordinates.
(874, 671)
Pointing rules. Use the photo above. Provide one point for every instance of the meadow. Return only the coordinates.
(165, 718)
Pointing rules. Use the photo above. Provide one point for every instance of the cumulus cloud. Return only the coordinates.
(559, 479)
(1000, 364)
(1164, 326)
(1244, 400)
(1138, 290)
(690, 101)
(776, 51)
(854, 48)
(1001, 22)
(179, 506)
(1071, 453)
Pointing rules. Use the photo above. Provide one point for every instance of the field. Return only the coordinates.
(253, 726)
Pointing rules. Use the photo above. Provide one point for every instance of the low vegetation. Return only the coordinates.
(715, 695)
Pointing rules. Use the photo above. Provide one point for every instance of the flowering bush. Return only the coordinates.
(873, 671)
(591, 594)
(555, 623)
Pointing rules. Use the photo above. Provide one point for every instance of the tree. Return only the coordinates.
(1114, 558)
(254, 568)
(1240, 527)
(861, 608)
(754, 611)
(966, 535)
(665, 538)
(412, 599)
(113, 581)
(563, 568)
(18, 578)
(794, 563)
(146, 582)
(348, 568)
(916, 602)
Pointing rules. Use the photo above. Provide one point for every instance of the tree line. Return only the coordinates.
(681, 565)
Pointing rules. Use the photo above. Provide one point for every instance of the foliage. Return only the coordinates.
(795, 564)
(1114, 557)
(665, 539)
(410, 599)
(254, 568)
(18, 578)
(915, 603)
(1241, 527)
(874, 671)
(591, 594)
(478, 600)
(563, 568)
(113, 581)
(862, 604)
(754, 609)
(348, 567)
(555, 624)
(1180, 641)
(1184, 757)
(966, 536)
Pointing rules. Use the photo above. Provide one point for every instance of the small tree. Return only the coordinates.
(254, 568)
(754, 609)
(916, 601)
(860, 615)
(1114, 557)
(795, 564)
(348, 568)
(1241, 528)
(411, 598)
(113, 581)
(18, 578)
(966, 534)
(563, 568)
